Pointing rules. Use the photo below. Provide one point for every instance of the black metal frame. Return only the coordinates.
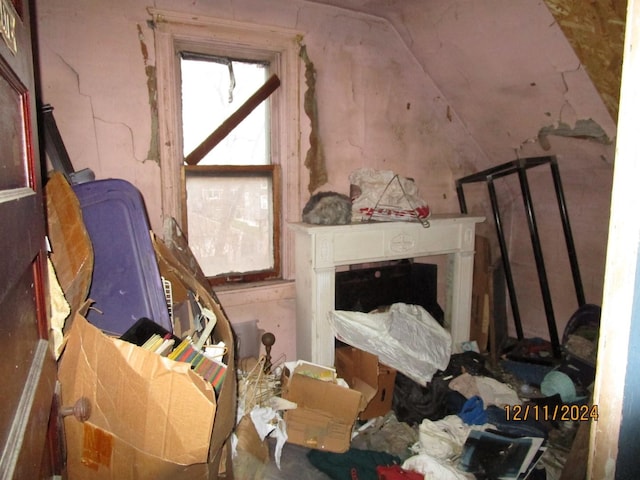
(520, 167)
(56, 150)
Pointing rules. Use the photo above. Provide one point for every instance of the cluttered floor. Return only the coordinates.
(520, 415)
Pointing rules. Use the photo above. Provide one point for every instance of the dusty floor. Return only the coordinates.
(295, 465)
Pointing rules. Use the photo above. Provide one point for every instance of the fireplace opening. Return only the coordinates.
(365, 289)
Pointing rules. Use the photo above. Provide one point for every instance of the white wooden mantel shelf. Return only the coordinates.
(319, 249)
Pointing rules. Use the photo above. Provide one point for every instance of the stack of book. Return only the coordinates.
(211, 370)
(151, 336)
(161, 345)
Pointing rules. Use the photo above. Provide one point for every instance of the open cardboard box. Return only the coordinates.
(326, 411)
(151, 418)
(362, 371)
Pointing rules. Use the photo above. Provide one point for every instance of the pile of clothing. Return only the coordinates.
(453, 428)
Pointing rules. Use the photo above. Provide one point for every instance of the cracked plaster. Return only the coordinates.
(465, 67)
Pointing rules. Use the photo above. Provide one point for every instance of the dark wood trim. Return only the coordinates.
(37, 396)
(233, 120)
(274, 171)
(278, 214)
(231, 170)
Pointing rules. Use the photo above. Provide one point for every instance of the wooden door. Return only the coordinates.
(27, 366)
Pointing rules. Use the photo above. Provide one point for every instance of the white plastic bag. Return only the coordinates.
(406, 337)
(382, 195)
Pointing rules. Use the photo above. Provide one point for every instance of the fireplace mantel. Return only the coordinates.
(320, 249)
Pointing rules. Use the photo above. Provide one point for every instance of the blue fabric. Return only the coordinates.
(473, 412)
(530, 373)
(528, 427)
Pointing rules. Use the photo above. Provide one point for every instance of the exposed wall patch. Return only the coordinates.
(585, 129)
(314, 160)
(152, 89)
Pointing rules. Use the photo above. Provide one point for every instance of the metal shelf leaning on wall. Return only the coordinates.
(520, 167)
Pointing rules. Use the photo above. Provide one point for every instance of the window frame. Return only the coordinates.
(175, 32)
(271, 171)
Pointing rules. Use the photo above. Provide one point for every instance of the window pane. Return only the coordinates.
(208, 100)
(230, 222)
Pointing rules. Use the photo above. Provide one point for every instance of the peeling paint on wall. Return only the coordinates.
(150, 71)
(314, 160)
(584, 129)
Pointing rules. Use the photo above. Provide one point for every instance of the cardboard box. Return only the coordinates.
(326, 411)
(72, 251)
(362, 371)
(151, 418)
(178, 264)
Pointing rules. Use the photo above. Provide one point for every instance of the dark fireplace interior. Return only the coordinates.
(365, 289)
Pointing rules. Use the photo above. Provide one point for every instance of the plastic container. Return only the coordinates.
(248, 338)
(126, 283)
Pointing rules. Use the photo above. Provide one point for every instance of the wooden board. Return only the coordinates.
(481, 296)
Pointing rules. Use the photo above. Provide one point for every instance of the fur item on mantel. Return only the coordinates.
(327, 208)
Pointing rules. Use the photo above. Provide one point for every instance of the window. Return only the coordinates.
(233, 221)
(233, 202)
(212, 88)
(231, 217)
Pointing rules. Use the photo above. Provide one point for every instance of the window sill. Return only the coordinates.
(256, 292)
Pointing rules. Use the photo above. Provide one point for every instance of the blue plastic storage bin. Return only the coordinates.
(126, 283)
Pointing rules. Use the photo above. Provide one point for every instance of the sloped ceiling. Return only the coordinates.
(491, 88)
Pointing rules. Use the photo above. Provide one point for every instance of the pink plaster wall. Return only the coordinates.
(431, 90)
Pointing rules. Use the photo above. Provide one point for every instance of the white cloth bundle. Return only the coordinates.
(406, 337)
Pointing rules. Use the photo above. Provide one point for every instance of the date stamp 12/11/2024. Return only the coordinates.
(551, 413)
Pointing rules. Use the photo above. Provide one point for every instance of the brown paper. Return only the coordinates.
(249, 440)
(362, 372)
(71, 249)
(150, 416)
(175, 269)
(325, 413)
